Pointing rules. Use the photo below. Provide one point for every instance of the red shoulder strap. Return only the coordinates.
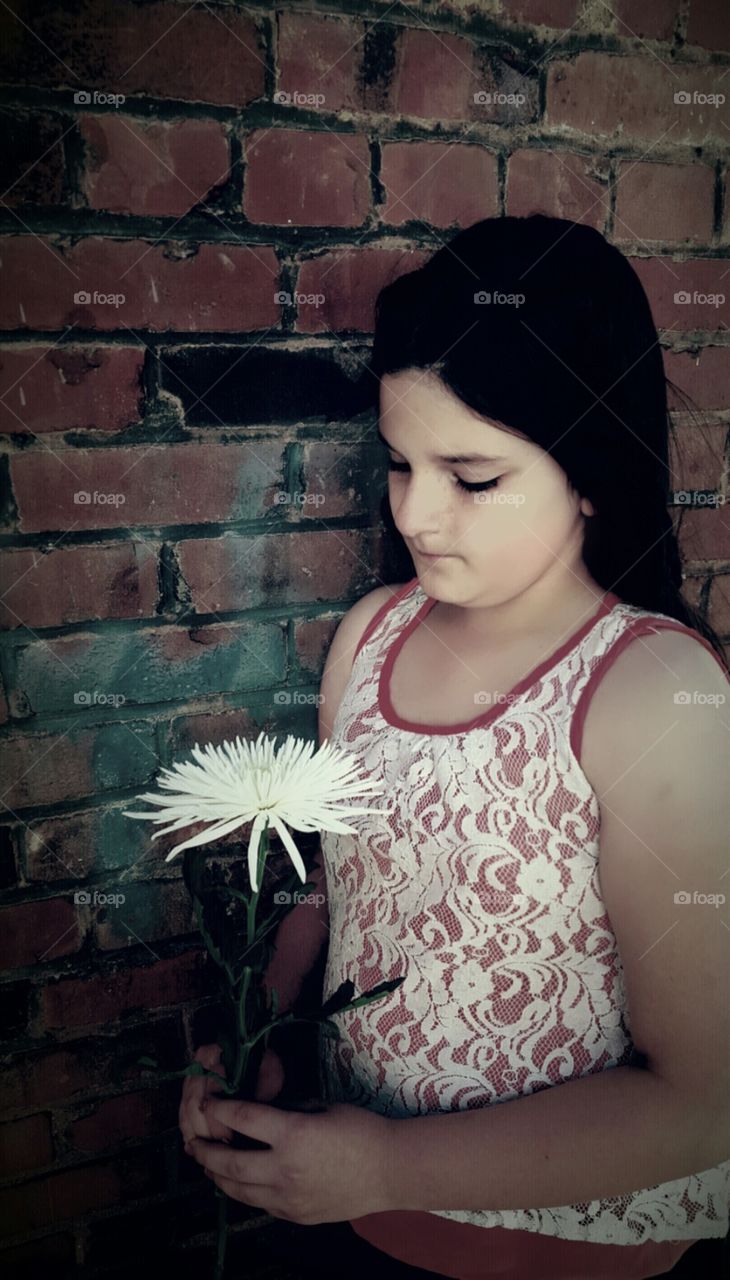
(390, 603)
(641, 626)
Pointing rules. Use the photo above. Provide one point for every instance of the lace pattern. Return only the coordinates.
(481, 885)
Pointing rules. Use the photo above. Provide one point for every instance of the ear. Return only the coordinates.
(587, 508)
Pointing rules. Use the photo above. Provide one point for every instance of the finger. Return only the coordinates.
(258, 1197)
(257, 1168)
(255, 1119)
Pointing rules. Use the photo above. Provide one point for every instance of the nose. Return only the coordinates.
(419, 506)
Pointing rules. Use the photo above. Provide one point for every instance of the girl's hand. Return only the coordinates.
(327, 1166)
(192, 1120)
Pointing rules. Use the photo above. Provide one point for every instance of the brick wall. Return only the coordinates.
(192, 498)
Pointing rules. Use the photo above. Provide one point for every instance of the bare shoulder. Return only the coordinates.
(341, 653)
(665, 692)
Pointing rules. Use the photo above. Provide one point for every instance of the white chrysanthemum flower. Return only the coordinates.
(235, 782)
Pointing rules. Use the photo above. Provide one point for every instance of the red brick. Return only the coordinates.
(29, 1259)
(116, 46)
(33, 162)
(306, 179)
(34, 932)
(86, 1068)
(73, 845)
(663, 277)
(238, 572)
(719, 610)
(25, 1144)
(600, 94)
(133, 1115)
(312, 639)
(435, 76)
(440, 183)
(79, 1002)
(704, 535)
(652, 20)
(57, 388)
(561, 184)
(697, 461)
(152, 484)
(152, 167)
(164, 286)
(320, 54)
(149, 913)
(73, 584)
(350, 280)
(705, 377)
(662, 202)
(709, 25)
(547, 13)
(44, 768)
(77, 1191)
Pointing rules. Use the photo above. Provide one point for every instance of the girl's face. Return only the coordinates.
(518, 519)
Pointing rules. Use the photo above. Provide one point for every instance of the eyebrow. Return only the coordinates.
(460, 457)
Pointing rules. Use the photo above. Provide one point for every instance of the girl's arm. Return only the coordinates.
(299, 941)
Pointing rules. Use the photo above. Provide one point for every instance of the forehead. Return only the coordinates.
(415, 406)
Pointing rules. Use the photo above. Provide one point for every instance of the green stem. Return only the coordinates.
(243, 1047)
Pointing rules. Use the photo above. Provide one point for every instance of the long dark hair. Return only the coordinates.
(543, 327)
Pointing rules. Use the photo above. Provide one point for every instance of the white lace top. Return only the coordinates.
(481, 886)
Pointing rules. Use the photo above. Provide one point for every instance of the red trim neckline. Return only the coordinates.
(608, 601)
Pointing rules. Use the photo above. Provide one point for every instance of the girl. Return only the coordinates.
(537, 682)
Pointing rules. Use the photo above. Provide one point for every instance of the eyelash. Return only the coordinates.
(463, 484)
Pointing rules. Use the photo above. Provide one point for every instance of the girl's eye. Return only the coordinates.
(463, 484)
